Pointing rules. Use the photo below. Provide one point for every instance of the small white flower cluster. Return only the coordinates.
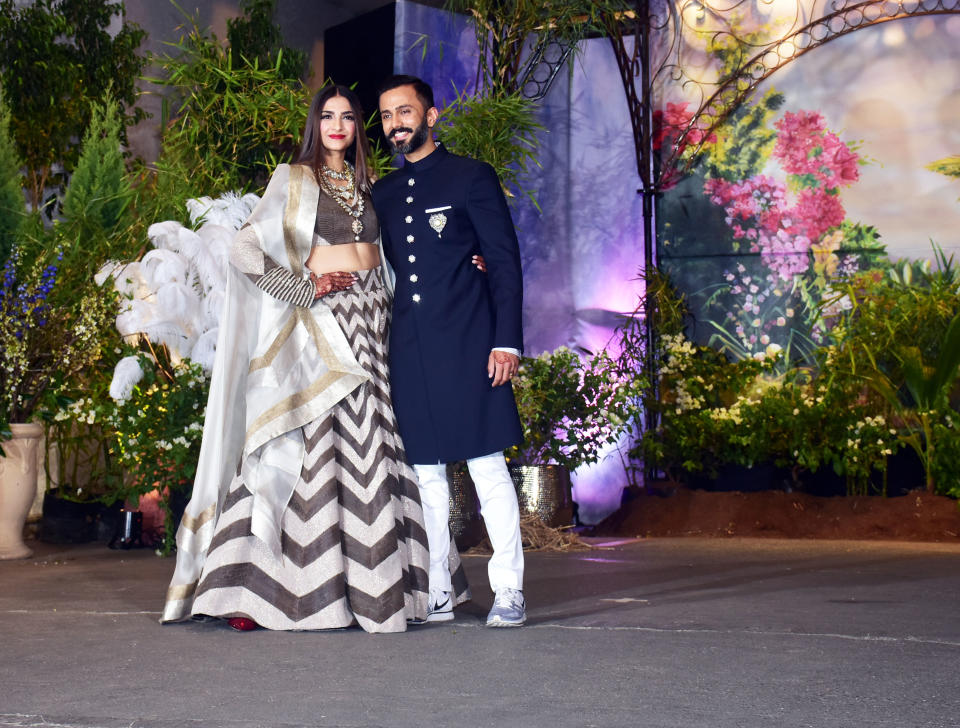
(82, 410)
(733, 413)
(861, 436)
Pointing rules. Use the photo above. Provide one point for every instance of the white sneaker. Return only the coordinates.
(509, 609)
(440, 606)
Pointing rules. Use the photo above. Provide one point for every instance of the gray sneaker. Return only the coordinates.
(440, 606)
(509, 609)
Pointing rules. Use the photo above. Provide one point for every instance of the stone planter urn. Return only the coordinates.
(18, 487)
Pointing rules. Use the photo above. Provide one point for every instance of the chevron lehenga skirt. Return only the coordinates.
(354, 547)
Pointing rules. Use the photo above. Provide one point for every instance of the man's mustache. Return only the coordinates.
(399, 130)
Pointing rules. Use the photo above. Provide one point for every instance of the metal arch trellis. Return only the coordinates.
(547, 57)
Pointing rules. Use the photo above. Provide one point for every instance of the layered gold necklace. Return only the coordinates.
(348, 197)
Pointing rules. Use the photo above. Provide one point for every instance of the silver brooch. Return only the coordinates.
(437, 221)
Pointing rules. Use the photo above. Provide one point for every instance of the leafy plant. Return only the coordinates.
(255, 37)
(901, 337)
(156, 427)
(99, 190)
(571, 409)
(12, 212)
(56, 60)
(234, 119)
(499, 130)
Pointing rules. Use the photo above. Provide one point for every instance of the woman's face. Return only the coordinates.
(338, 124)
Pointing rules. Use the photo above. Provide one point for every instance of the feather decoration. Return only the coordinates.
(175, 293)
(106, 271)
(126, 375)
(204, 351)
(163, 266)
(180, 302)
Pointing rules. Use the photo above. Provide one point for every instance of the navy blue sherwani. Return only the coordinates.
(435, 214)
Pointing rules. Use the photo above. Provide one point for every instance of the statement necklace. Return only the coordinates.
(346, 196)
(344, 174)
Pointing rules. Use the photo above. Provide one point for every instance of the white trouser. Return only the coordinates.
(501, 516)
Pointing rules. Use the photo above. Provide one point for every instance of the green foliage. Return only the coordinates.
(712, 411)
(744, 142)
(56, 59)
(255, 37)
(900, 336)
(42, 343)
(571, 409)
(235, 120)
(99, 191)
(155, 432)
(12, 208)
(499, 130)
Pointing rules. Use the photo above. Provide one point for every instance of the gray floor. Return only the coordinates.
(672, 632)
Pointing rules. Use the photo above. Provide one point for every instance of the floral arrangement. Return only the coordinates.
(151, 411)
(41, 344)
(714, 411)
(571, 409)
(154, 417)
(800, 232)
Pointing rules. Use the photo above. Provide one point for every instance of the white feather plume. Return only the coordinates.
(135, 316)
(180, 302)
(229, 210)
(126, 375)
(205, 349)
(106, 270)
(176, 291)
(163, 266)
(162, 235)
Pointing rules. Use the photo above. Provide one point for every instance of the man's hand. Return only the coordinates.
(501, 366)
(331, 282)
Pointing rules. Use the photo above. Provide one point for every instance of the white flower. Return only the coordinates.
(126, 375)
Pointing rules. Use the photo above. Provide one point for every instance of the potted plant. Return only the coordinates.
(40, 344)
(570, 408)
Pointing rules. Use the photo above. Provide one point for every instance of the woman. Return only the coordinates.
(304, 513)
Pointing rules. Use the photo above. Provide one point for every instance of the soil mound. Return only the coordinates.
(917, 516)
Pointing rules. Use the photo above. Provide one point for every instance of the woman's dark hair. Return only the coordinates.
(312, 149)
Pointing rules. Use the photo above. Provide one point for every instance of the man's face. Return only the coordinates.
(406, 124)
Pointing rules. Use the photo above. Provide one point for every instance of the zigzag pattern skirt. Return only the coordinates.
(353, 542)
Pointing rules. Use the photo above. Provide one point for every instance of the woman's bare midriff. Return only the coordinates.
(346, 257)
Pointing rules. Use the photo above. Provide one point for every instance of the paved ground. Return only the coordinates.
(681, 633)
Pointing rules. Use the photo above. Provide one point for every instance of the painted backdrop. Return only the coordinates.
(831, 179)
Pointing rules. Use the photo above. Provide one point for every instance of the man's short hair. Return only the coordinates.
(420, 87)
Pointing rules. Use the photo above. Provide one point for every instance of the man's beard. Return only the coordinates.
(417, 138)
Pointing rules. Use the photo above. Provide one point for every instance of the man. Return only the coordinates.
(456, 336)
